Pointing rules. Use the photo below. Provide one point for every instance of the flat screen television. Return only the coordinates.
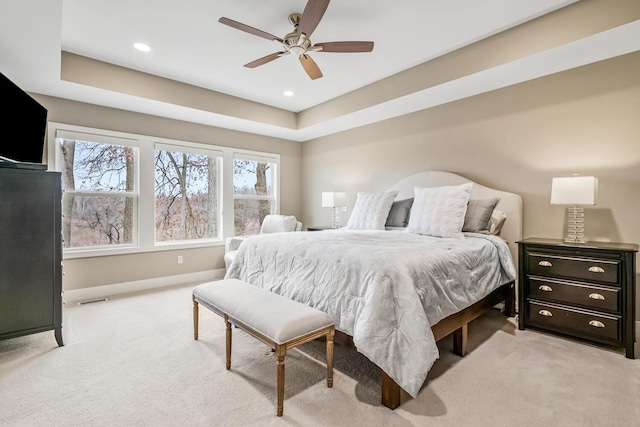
(23, 124)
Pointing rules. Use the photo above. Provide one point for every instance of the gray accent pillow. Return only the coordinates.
(479, 214)
(399, 213)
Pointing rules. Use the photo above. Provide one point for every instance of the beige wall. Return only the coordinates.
(516, 139)
(106, 270)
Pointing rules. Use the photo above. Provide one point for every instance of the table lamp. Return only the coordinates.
(574, 191)
(334, 200)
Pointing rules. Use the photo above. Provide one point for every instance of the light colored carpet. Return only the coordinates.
(132, 361)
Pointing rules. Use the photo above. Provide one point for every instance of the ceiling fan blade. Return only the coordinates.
(345, 46)
(310, 66)
(311, 16)
(265, 59)
(247, 29)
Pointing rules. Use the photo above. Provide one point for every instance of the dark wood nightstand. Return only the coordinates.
(584, 290)
(320, 228)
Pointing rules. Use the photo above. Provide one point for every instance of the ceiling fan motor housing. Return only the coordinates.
(295, 43)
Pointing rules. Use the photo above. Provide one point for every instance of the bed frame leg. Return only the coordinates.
(460, 340)
(390, 392)
(510, 300)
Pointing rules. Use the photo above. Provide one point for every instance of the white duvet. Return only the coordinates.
(384, 288)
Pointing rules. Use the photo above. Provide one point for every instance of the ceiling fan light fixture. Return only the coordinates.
(298, 50)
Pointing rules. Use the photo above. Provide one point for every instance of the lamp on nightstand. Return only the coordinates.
(334, 200)
(575, 190)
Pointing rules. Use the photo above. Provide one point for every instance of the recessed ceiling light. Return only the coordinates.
(288, 93)
(142, 47)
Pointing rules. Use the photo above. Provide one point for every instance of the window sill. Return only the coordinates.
(98, 252)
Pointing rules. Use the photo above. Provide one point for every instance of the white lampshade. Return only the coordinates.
(333, 199)
(574, 190)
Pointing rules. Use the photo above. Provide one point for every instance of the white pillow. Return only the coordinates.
(371, 211)
(496, 221)
(439, 211)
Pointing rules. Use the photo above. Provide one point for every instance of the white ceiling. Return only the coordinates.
(189, 45)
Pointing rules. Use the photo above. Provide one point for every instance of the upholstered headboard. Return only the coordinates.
(510, 203)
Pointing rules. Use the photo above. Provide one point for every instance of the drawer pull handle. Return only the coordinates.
(596, 324)
(545, 313)
(545, 288)
(599, 297)
(596, 269)
(545, 264)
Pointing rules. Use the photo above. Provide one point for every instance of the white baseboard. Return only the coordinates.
(99, 292)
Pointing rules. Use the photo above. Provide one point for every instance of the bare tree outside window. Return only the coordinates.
(98, 201)
(186, 196)
(253, 195)
(111, 204)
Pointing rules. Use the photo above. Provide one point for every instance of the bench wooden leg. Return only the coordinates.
(195, 319)
(281, 351)
(228, 345)
(330, 358)
(460, 340)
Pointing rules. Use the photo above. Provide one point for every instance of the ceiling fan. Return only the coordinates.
(298, 41)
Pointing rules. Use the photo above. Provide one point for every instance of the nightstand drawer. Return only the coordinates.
(580, 322)
(589, 296)
(591, 269)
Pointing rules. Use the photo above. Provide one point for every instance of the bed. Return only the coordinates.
(395, 291)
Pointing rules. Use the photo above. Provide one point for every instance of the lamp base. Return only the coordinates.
(570, 239)
(575, 225)
(334, 217)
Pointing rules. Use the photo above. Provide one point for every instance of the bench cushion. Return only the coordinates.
(278, 318)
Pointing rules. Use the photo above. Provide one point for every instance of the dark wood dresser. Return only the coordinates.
(587, 291)
(30, 252)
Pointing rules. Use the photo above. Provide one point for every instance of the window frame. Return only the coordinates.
(275, 179)
(145, 183)
(192, 148)
(135, 194)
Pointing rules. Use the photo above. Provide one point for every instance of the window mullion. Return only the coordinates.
(252, 197)
(101, 193)
(146, 222)
(227, 194)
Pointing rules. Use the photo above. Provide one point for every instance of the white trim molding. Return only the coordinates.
(105, 291)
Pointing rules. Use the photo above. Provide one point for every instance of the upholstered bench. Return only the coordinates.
(277, 321)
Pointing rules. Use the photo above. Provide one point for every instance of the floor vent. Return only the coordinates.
(92, 301)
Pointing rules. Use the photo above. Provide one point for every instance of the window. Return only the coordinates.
(127, 193)
(186, 194)
(253, 192)
(99, 202)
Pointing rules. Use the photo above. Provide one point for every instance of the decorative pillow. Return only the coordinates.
(399, 213)
(497, 221)
(439, 211)
(370, 211)
(478, 214)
